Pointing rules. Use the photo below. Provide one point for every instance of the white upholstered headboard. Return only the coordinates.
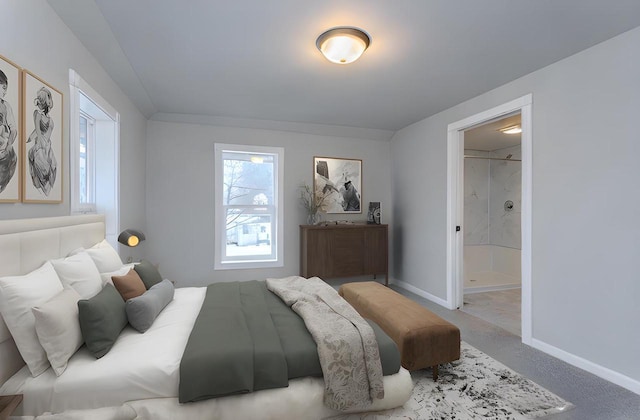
(25, 244)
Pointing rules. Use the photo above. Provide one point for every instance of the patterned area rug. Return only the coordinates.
(474, 387)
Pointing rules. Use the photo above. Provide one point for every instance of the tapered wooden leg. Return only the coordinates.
(434, 369)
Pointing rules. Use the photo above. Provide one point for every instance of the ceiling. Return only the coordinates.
(488, 137)
(252, 60)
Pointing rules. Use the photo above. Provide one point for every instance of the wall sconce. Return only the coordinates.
(343, 45)
(131, 237)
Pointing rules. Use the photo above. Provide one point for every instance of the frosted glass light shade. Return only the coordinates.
(343, 45)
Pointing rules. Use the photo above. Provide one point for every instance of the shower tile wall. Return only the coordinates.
(505, 184)
(487, 185)
(476, 199)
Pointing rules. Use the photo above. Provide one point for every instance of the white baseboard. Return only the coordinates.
(421, 293)
(601, 371)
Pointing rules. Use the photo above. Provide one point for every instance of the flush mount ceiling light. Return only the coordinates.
(513, 129)
(343, 45)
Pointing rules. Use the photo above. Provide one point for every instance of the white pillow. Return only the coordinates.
(18, 294)
(58, 328)
(80, 273)
(106, 277)
(105, 257)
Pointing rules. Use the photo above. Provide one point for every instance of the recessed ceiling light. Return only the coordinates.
(343, 45)
(513, 129)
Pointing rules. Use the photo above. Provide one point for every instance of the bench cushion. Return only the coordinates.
(423, 338)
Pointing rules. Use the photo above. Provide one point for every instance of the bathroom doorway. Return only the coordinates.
(492, 222)
(456, 227)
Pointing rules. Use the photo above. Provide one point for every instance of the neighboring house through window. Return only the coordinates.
(248, 228)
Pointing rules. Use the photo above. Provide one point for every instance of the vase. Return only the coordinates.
(313, 218)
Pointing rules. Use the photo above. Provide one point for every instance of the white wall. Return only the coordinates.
(488, 184)
(505, 183)
(477, 174)
(180, 194)
(586, 201)
(36, 39)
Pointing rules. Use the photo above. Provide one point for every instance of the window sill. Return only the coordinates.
(247, 265)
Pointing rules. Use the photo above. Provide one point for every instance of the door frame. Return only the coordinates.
(455, 203)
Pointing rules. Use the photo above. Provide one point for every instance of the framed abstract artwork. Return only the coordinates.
(338, 182)
(10, 150)
(42, 144)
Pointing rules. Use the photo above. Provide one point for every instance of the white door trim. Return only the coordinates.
(455, 202)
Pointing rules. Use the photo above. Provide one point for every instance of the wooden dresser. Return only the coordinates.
(344, 250)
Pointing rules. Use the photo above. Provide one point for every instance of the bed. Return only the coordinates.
(127, 382)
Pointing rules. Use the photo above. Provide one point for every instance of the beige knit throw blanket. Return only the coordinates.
(347, 345)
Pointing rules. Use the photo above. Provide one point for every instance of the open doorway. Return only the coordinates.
(492, 222)
(456, 227)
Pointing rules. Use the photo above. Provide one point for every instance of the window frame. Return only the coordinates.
(276, 259)
(79, 87)
(106, 179)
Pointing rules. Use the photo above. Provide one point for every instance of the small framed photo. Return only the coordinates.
(373, 215)
(337, 182)
(10, 150)
(42, 152)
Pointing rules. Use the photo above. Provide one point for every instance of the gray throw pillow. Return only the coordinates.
(143, 310)
(148, 273)
(102, 318)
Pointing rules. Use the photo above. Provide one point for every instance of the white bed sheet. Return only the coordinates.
(138, 367)
(301, 400)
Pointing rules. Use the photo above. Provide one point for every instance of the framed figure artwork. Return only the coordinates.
(339, 182)
(10, 150)
(42, 151)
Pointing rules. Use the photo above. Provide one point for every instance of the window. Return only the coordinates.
(86, 165)
(94, 139)
(248, 229)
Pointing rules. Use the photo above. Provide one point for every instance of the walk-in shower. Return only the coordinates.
(492, 213)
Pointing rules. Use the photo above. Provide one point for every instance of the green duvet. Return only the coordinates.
(246, 339)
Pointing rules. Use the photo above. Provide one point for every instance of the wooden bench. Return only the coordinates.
(423, 338)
